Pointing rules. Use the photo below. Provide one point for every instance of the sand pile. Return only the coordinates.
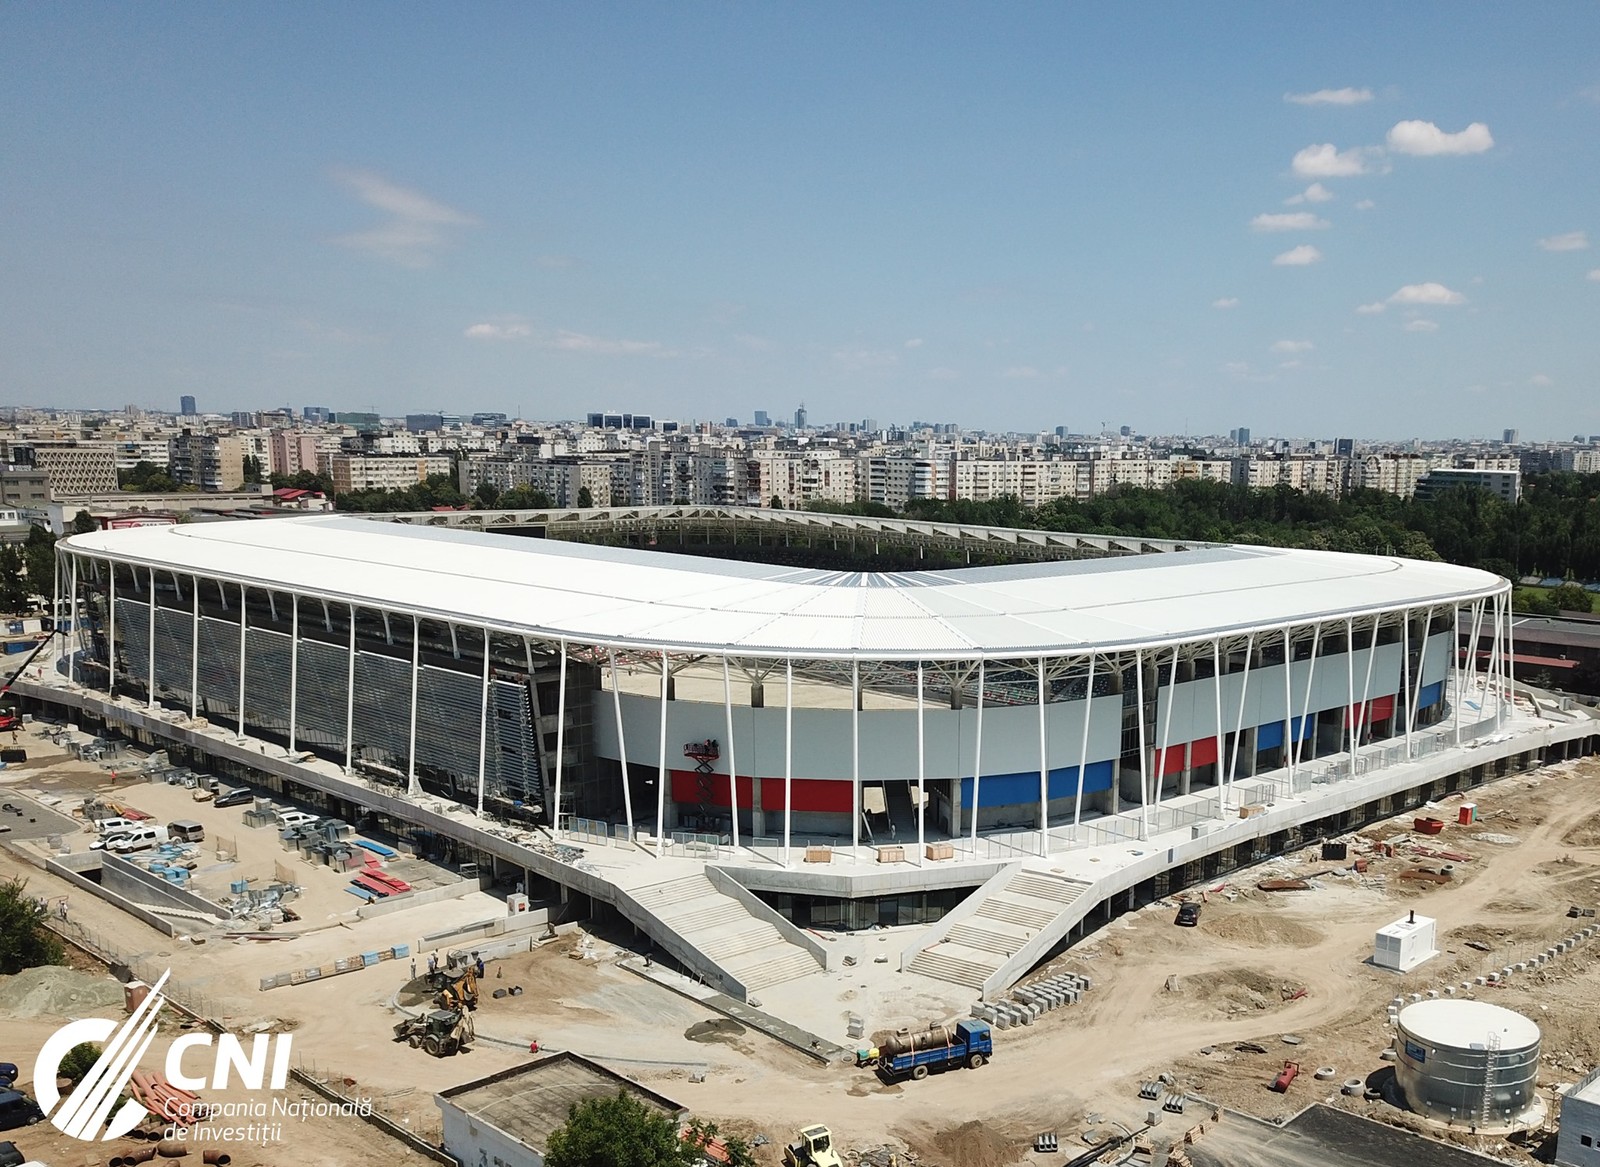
(1259, 930)
(57, 991)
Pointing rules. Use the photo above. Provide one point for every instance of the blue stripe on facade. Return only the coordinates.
(1431, 695)
(1015, 789)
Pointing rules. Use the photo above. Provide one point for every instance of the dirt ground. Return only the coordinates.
(1166, 1000)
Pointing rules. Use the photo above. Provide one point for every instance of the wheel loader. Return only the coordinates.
(814, 1148)
(440, 1033)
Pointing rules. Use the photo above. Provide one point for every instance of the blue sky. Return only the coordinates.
(1009, 216)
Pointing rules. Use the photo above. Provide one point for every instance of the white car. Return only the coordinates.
(296, 818)
(114, 826)
(138, 840)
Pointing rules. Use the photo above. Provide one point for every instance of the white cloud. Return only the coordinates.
(1315, 193)
(1365, 205)
(914, 342)
(1236, 368)
(1292, 346)
(943, 374)
(1425, 138)
(1429, 293)
(1540, 380)
(578, 342)
(1372, 309)
(1290, 221)
(498, 331)
(1346, 96)
(1594, 274)
(1297, 256)
(415, 230)
(1571, 241)
(1328, 161)
(1021, 373)
(857, 359)
(1420, 326)
(1291, 364)
(1226, 302)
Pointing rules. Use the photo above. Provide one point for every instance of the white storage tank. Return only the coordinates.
(1468, 1063)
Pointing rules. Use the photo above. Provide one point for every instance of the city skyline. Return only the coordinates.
(1299, 222)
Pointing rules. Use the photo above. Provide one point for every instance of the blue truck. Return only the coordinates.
(966, 1043)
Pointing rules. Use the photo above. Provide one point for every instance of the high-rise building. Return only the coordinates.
(1244, 436)
(1344, 447)
(206, 461)
(289, 452)
(243, 418)
(762, 419)
(186, 406)
(317, 414)
(800, 417)
(1510, 437)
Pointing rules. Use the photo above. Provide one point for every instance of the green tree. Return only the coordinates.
(524, 498)
(80, 1060)
(83, 522)
(146, 478)
(585, 498)
(39, 557)
(487, 493)
(1571, 597)
(777, 503)
(14, 589)
(617, 1132)
(1534, 601)
(24, 940)
(252, 469)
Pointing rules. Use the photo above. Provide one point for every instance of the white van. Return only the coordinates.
(140, 839)
(114, 826)
(296, 818)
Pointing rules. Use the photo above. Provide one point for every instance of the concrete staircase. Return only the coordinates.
(982, 936)
(727, 933)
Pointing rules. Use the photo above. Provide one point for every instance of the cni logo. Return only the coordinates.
(88, 1108)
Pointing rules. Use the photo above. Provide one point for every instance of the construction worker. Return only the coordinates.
(413, 968)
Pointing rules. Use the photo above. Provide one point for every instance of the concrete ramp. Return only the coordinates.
(1001, 930)
(723, 932)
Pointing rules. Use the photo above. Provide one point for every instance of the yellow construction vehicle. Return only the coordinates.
(456, 991)
(814, 1149)
(441, 1033)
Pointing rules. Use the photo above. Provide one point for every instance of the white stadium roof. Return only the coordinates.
(649, 599)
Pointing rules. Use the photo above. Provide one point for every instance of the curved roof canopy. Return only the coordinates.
(650, 599)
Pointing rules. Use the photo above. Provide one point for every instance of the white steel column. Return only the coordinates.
(622, 744)
(1511, 653)
(1472, 652)
(412, 787)
(1456, 671)
(151, 688)
(244, 627)
(788, 754)
(1288, 705)
(977, 757)
(922, 789)
(1405, 675)
(1365, 722)
(1305, 706)
(1083, 749)
(554, 816)
(733, 766)
(1216, 688)
(194, 646)
(1497, 663)
(1144, 752)
(1414, 695)
(1166, 725)
(111, 643)
(1238, 729)
(1348, 730)
(72, 656)
(55, 611)
(483, 723)
(350, 698)
(855, 757)
(1044, 768)
(294, 667)
(661, 762)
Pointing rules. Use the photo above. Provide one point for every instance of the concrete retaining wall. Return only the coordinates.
(63, 867)
(130, 881)
(730, 886)
(412, 899)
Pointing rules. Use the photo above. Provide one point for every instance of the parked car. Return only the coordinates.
(186, 831)
(1188, 915)
(140, 840)
(115, 826)
(17, 1109)
(296, 818)
(10, 1156)
(8, 1074)
(238, 796)
(103, 843)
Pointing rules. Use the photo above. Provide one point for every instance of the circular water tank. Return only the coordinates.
(1467, 1062)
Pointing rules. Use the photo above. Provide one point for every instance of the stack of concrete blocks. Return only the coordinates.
(1030, 1002)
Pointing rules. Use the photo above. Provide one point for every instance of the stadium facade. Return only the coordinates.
(632, 692)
